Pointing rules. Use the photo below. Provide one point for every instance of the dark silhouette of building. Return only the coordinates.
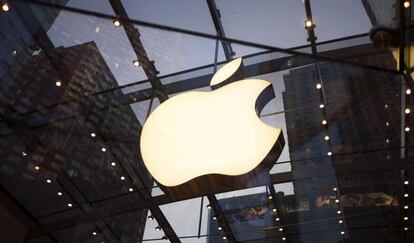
(75, 133)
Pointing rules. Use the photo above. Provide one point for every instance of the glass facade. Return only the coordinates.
(80, 78)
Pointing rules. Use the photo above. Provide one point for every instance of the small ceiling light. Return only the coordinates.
(324, 122)
(93, 134)
(24, 153)
(209, 206)
(308, 23)
(122, 178)
(131, 189)
(321, 106)
(318, 86)
(280, 229)
(14, 52)
(103, 149)
(60, 193)
(326, 138)
(386, 106)
(270, 197)
(406, 207)
(283, 238)
(224, 237)
(387, 141)
(387, 124)
(407, 129)
(338, 212)
(274, 210)
(5, 7)
(336, 200)
(335, 189)
(48, 181)
(342, 232)
(405, 228)
(136, 63)
(117, 23)
(58, 83)
(37, 167)
(340, 221)
(158, 228)
(406, 4)
(94, 233)
(219, 228)
(406, 218)
(406, 195)
(406, 182)
(329, 153)
(277, 219)
(214, 218)
(151, 217)
(70, 205)
(408, 91)
(407, 111)
(113, 163)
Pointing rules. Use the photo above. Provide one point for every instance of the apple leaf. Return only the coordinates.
(226, 71)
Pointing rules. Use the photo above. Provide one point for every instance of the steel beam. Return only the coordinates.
(221, 218)
(142, 57)
(215, 15)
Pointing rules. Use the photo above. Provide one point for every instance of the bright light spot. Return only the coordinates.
(103, 149)
(113, 163)
(407, 111)
(321, 106)
(338, 212)
(5, 7)
(406, 4)
(37, 167)
(131, 189)
(280, 229)
(58, 83)
(318, 86)
(308, 23)
(408, 91)
(136, 63)
(48, 181)
(340, 221)
(406, 182)
(324, 122)
(117, 23)
(326, 138)
(122, 178)
(70, 205)
(60, 193)
(329, 153)
(93, 134)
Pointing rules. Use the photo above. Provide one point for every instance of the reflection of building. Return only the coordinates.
(363, 114)
(20, 28)
(53, 125)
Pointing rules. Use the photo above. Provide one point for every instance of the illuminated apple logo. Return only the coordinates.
(202, 133)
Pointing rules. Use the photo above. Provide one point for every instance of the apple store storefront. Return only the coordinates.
(206, 121)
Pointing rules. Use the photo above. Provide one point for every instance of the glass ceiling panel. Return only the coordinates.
(71, 29)
(186, 14)
(335, 18)
(174, 52)
(274, 23)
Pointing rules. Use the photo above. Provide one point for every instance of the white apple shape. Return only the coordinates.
(207, 132)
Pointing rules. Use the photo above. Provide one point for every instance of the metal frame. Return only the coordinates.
(162, 91)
